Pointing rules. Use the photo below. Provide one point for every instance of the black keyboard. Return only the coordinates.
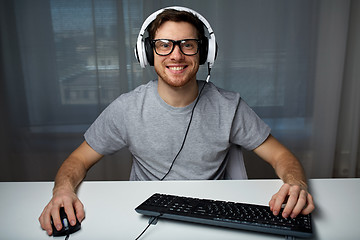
(226, 214)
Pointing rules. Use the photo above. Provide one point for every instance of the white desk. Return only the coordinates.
(110, 207)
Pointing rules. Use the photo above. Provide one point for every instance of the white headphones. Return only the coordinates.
(140, 48)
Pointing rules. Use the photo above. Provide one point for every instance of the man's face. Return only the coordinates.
(176, 69)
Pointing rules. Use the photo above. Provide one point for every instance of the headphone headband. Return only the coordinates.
(140, 49)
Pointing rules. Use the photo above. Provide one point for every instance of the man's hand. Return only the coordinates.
(66, 199)
(296, 198)
(71, 173)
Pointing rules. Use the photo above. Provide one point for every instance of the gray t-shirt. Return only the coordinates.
(153, 131)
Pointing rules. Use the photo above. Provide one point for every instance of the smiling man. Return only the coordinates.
(177, 127)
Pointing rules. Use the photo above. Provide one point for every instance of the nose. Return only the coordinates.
(176, 53)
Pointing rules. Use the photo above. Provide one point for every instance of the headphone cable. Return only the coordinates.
(188, 127)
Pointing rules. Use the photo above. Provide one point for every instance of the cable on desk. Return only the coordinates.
(151, 221)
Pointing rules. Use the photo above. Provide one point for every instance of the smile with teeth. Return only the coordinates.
(176, 68)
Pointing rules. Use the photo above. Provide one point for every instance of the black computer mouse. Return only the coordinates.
(67, 228)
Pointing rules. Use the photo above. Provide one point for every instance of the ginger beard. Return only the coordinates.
(176, 69)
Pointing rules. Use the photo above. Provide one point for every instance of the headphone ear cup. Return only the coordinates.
(204, 46)
(149, 51)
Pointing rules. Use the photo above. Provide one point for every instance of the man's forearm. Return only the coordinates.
(289, 169)
(285, 164)
(70, 175)
(75, 167)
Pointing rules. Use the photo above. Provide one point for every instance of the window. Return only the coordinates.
(78, 57)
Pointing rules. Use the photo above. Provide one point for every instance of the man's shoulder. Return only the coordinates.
(132, 98)
(143, 88)
(139, 91)
(223, 94)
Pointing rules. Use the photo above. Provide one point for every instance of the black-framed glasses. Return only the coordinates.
(164, 47)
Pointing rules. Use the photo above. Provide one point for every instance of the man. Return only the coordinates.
(175, 132)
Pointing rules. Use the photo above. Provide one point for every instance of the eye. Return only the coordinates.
(189, 44)
(163, 44)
